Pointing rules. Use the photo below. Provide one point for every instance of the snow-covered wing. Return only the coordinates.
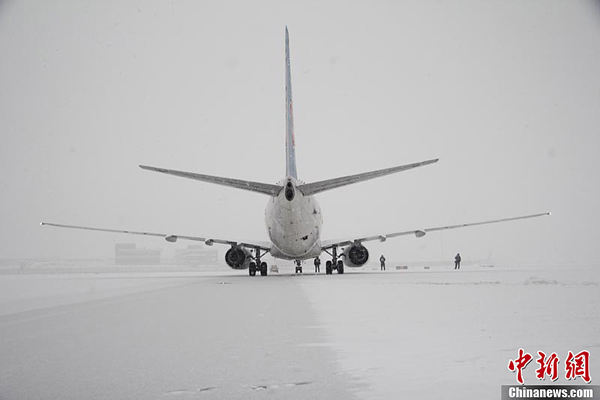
(419, 232)
(172, 238)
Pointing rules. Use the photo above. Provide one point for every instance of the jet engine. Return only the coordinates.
(356, 255)
(238, 257)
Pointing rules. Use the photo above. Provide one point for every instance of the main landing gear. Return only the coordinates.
(259, 266)
(298, 266)
(334, 264)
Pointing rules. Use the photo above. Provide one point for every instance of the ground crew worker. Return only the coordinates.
(457, 261)
(382, 260)
(317, 265)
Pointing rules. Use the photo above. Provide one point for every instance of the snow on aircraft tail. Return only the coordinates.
(290, 145)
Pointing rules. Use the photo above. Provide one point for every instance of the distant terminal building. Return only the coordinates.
(196, 254)
(129, 254)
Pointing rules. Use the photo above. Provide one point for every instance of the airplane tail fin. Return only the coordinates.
(290, 145)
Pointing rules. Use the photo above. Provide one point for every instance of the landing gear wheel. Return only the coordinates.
(340, 267)
(252, 269)
(298, 270)
(263, 269)
(328, 269)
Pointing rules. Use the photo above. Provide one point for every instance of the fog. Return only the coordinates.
(505, 94)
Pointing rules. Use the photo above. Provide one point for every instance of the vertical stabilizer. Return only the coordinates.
(290, 145)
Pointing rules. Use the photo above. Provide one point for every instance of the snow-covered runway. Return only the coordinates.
(418, 333)
(435, 334)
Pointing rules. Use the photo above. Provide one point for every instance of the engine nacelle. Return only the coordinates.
(356, 255)
(171, 238)
(238, 257)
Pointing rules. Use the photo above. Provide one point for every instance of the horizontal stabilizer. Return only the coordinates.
(265, 188)
(321, 186)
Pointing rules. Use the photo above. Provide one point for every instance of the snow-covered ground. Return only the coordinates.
(417, 333)
(450, 334)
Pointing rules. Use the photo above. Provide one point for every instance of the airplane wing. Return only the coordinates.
(327, 244)
(172, 238)
(321, 186)
(265, 188)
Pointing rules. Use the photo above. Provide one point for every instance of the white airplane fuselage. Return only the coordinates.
(293, 223)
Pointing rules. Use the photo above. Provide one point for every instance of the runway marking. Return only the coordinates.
(319, 344)
(534, 280)
(279, 386)
(458, 283)
(190, 391)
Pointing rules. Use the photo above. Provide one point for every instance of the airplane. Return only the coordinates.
(293, 216)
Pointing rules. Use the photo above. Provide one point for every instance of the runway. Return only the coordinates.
(219, 337)
(420, 333)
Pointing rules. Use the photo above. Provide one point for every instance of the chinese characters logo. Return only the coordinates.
(576, 365)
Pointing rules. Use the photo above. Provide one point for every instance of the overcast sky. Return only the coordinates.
(506, 94)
